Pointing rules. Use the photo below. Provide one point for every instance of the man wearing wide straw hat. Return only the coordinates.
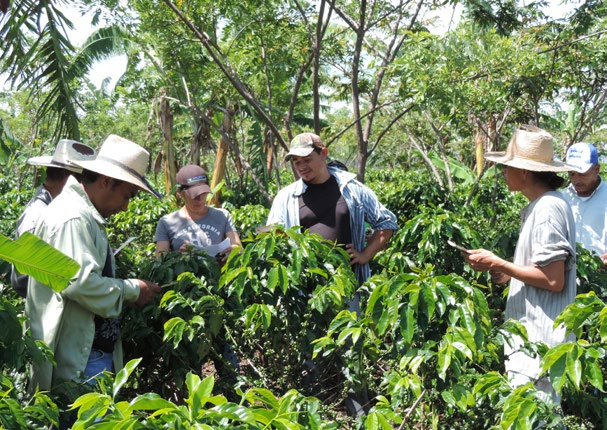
(81, 324)
(542, 273)
(58, 169)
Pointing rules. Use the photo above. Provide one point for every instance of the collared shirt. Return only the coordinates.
(27, 222)
(362, 203)
(65, 321)
(590, 213)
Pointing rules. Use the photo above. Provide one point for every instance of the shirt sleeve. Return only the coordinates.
(376, 214)
(103, 296)
(162, 231)
(278, 210)
(230, 225)
(29, 218)
(549, 236)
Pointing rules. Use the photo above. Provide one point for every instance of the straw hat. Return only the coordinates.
(121, 159)
(66, 152)
(530, 149)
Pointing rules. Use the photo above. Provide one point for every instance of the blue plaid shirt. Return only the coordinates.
(362, 204)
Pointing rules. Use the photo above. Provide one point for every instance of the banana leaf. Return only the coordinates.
(36, 258)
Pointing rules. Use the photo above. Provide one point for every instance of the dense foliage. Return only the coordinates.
(268, 339)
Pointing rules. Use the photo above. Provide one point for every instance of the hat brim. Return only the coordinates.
(194, 192)
(299, 152)
(47, 161)
(113, 171)
(526, 164)
(582, 168)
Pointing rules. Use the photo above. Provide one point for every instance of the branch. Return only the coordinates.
(571, 42)
(427, 160)
(411, 409)
(226, 69)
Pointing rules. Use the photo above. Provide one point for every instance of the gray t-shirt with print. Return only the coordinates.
(208, 230)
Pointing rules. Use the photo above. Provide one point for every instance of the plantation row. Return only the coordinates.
(427, 347)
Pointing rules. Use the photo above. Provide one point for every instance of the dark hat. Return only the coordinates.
(193, 181)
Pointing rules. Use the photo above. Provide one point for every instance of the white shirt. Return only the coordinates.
(589, 214)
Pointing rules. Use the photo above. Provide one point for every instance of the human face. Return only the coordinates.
(513, 177)
(585, 183)
(313, 168)
(118, 194)
(196, 206)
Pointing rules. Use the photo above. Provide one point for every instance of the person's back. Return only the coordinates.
(587, 196)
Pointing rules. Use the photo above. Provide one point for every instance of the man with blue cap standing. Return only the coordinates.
(587, 196)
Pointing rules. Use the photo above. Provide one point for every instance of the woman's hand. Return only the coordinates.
(184, 246)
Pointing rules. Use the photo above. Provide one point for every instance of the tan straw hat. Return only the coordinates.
(66, 152)
(530, 149)
(121, 159)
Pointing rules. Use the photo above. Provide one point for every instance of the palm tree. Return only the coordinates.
(39, 57)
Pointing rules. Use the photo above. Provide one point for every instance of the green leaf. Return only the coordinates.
(574, 366)
(150, 402)
(278, 277)
(34, 257)
(407, 323)
(444, 359)
(173, 330)
(123, 375)
(594, 375)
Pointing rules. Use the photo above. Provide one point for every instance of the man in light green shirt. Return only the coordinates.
(81, 324)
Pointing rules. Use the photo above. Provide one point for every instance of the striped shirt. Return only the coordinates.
(547, 235)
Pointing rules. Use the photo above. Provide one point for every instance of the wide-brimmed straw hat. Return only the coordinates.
(66, 152)
(530, 148)
(193, 181)
(121, 159)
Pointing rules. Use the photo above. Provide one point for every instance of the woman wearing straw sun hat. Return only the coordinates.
(542, 273)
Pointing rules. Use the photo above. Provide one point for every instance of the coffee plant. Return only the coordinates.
(270, 340)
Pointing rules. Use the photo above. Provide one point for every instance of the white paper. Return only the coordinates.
(213, 250)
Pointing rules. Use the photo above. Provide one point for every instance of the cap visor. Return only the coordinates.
(299, 152)
(194, 192)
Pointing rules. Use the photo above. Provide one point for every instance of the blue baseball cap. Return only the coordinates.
(582, 156)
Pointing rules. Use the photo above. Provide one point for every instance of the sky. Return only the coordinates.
(112, 67)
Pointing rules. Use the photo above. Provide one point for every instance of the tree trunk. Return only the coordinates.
(166, 126)
(219, 170)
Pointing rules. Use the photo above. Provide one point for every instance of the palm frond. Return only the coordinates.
(102, 44)
(37, 58)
